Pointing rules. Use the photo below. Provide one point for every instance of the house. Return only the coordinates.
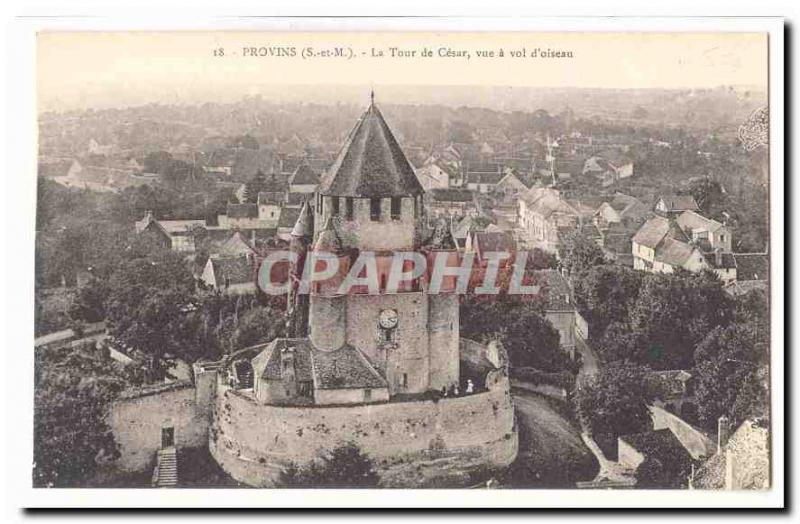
(673, 205)
(708, 233)
(609, 166)
(237, 245)
(543, 218)
(484, 242)
(451, 202)
(661, 246)
(621, 209)
(178, 235)
(617, 243)
(559, 307)
(509, 188)
(234, 275)
(484, 178)
(292, 371)
(661, 445)
(461, 230)
(435, 174)
(269, 206)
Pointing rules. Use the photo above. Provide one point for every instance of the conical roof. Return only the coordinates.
(304, 227)
(328, 240)
(371, 163)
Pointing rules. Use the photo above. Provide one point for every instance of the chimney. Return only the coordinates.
(723, 430)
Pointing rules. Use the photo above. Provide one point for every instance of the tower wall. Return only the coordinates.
(405, 360)
(443, 336)
(373, 235)
(327, 322)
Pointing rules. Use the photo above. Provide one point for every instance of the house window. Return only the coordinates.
(405, 380)
(367, 395)
(335, 206)
(396, 203)
(375, 209)
(348, 208)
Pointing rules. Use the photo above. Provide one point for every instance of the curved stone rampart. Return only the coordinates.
(254, 442)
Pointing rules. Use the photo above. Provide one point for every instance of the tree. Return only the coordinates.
(653, 473)
(606, 294)
(519, 324)
(253, 326)
(732, 374)
(73, 387)
(151, 307)
(88, 305)
(579, 253)
(673, 313)
(613, 401)
(344, 467)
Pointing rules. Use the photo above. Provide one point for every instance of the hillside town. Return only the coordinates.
(642, 363)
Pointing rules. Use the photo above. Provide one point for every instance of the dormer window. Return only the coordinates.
(396, 206)
(375, 209)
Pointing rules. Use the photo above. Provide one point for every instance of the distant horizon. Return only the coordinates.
(356, 94)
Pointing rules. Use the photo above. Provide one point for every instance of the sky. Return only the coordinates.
(77, 70)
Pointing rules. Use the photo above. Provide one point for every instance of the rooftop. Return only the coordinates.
(371, 163)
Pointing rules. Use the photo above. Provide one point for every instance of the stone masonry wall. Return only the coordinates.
(137, 419)
(253, 442)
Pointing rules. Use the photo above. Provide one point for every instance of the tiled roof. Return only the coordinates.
(302, 359)
(235, 245)
(674, 252)
(690, 221)
(500, 241)
(304, 174)
(345, 368)
(180, 226)
(679, 202)
(654, 230)
(484, 177)
(289, 216)
(451, 194)
(270, 197)
(233, 270)
(752, 266)
(371, 163)
(246, 210)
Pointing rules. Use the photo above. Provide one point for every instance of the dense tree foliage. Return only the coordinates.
(732, 371)
(531, 341)
(613, 401)
(345, 466)
(579, 253)
(73, 387)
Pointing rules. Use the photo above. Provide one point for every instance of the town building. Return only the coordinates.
(544, 216)
(451, 202)
(673, 205)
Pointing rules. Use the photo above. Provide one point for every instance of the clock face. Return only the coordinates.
(388, 318)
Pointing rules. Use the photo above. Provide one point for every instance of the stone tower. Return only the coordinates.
(370, 200)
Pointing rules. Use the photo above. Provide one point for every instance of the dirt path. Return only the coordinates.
(551, 451)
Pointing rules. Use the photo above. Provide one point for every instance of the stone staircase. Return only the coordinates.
(166, 473)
